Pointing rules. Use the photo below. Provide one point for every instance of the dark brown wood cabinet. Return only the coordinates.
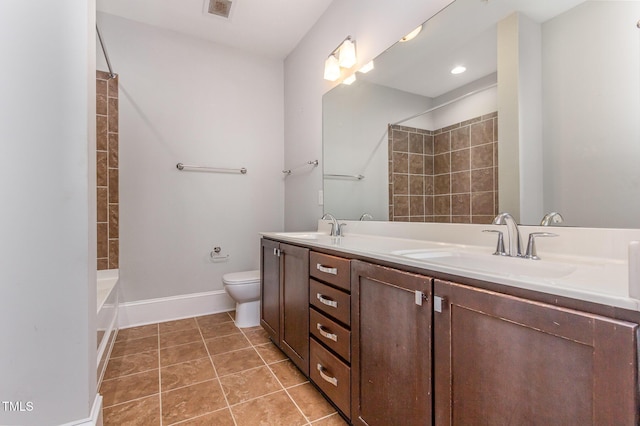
(330, 331)
(270, 288)
(500, 359)
(391, 313)
(285, 299)
(389, 347)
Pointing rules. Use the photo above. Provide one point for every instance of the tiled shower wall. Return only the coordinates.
(446, 175)
(107, 169)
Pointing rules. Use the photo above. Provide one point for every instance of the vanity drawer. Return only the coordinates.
(333, 335)
(331, 301)
(331, 269)
(331, 375)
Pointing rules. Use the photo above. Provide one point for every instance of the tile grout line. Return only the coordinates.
(198, 416)
(280, 383)
(215, 370)
(159, 378)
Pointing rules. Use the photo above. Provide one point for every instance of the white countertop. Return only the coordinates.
(600, 276)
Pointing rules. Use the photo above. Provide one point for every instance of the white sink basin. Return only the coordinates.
(302, 235)
(496, 265)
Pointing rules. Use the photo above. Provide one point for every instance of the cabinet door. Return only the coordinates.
(270, 288)
(294, 319)
(505, 360)
(391, 346)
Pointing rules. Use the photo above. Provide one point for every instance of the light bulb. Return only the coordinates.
(331, 68)
(347, 54)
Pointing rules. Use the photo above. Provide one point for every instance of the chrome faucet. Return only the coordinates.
(366, 216)
(336, 228)
(551, 218)
(513, 234)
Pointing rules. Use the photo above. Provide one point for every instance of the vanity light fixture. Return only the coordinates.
(347, 55)
(349, 79)
(331, 68)
(366, 67)
(343, 56)
(411, 35)
(458, 70)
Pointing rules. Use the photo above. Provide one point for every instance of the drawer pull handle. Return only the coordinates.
(326, 301)
(327, 270)
(326, 334)
(325, 377)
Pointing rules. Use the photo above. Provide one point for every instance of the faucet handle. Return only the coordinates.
(339, 230)
(500, 247)
(531, 245)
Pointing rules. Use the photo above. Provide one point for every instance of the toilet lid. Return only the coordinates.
(241, 277)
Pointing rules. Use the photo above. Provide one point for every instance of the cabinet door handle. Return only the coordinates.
(326, 334)
(326, 301)
(325, 377)
(327, 269)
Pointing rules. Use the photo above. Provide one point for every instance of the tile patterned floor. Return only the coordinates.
(206, 371)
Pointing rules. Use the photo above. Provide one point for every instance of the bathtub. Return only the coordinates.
(107, 318)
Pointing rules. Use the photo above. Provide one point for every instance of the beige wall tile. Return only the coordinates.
(482, 132)
(482, 203)
(400, 162)
(482, 156)
(102, 205)
(416, 143)
(103, 240)
(113, 151)
(482, 180)
(101, 132)
(400, 141)
(461, 204)
(442, 205)
(442, 143)
(442, 163)
(460, 138)
(460, 160)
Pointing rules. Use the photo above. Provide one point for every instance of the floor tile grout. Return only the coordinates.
(258, 342)
(159, 379)
(215, 371)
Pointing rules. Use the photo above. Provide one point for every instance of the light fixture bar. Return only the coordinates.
(343, 56)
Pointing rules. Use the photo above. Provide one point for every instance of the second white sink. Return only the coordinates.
(497, 265)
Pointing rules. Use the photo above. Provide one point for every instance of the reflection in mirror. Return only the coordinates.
(558, 81)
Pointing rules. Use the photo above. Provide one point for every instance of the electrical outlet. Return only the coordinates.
(320, 197)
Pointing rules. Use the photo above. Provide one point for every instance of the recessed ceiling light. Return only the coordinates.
(458, 70)
(411, 35)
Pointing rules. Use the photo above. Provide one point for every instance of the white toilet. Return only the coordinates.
(244, 288)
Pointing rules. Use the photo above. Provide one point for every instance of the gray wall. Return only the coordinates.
(591, 103)
(187, 100)
(48, 226)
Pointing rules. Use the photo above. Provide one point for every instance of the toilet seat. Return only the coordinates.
(246, 277)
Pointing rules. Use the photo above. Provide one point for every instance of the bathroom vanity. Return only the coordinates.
(388, 333)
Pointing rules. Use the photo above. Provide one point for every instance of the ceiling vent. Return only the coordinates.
(218, 7)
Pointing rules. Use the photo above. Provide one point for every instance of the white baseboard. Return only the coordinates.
(150, 311)
(95, 418)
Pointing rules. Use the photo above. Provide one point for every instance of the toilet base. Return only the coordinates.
(248, 314)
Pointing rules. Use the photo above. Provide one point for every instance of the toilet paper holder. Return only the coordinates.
(216, 256)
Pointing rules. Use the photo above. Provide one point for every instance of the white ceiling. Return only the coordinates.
(271, 28)
(464, 33)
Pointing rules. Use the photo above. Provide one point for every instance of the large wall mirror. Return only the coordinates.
(546, 117)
